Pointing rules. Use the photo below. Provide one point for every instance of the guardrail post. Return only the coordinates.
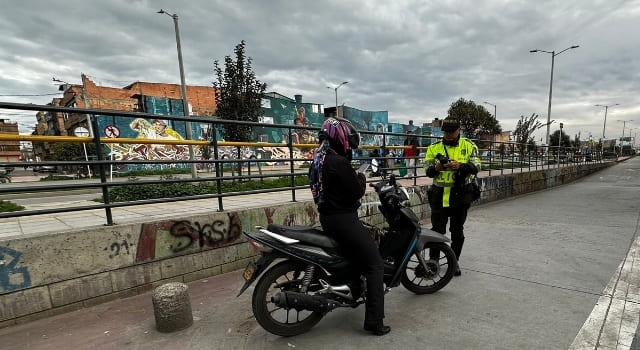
(293, 177)
(214, 142)
(103, 176)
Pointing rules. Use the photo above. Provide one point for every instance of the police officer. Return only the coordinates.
(451, 163)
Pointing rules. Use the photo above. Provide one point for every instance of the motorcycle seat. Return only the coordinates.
(311, 235)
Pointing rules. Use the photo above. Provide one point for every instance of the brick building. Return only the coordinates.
(9, 150)
(157, 98)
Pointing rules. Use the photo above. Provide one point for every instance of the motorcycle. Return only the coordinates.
(5, 176)
(312, 277)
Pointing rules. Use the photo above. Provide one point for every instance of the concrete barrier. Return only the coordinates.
(44, 275)
(172, 307)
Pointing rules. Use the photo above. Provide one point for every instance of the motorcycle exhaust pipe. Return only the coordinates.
(301, 301)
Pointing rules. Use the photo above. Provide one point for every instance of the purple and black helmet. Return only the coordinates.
(340, 131)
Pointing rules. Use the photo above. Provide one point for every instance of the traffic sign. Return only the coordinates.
(81, 131)
(111, 131)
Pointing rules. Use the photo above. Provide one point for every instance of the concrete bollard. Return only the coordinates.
(172, 307)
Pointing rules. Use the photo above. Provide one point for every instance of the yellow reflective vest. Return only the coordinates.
(465, 152)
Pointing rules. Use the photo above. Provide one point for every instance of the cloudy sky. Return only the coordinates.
(411, 58)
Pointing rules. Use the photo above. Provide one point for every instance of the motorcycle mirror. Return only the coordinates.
(392, 180)
(374, 165)
(405, 194)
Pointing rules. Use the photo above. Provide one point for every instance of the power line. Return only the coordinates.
(34, 95)
(98, 79)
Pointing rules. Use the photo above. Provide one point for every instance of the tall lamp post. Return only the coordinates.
(336, 90)
(559, 143)
(606, 108)
(553, 55)
(624, 123)
(495, 116)
(604, 126)
(185, 101)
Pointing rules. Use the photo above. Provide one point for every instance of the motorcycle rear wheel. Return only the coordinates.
(438, 273)
(284, 276)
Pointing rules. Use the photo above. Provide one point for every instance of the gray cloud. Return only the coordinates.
(412, 58)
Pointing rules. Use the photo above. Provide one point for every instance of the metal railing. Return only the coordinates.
(389, 153)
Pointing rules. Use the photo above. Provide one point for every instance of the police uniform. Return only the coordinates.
(447, 194)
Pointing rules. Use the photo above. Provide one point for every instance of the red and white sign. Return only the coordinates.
(111, 131)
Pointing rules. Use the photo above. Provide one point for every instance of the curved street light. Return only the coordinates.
(553, 55)
(185, 101)
(606, 108)
(336, 90)
(624, 123)
(495, 116)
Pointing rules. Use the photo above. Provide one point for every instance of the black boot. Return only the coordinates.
(378, 328)
(457, 272)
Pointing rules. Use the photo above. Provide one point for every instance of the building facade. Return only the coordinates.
(9, 150)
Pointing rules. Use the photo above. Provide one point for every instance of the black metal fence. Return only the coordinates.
(229, 165)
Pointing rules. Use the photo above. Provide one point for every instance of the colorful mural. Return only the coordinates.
(277, 109)
(368, 120)
(155, 129)
(284, 111)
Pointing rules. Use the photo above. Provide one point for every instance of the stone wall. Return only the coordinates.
(44, 275)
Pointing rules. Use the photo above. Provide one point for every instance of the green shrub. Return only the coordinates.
(135, 192)
(6, 206)
(168, 171)
(52, 177)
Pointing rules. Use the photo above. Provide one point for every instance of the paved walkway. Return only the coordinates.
(551, 270)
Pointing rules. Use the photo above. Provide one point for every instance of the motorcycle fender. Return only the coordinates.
(428, 236)
(255, 269)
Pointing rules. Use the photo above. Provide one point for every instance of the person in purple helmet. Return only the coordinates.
(337, 190)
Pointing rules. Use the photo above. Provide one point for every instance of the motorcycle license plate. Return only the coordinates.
(249, 271)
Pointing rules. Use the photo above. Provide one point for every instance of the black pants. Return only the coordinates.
(359, 247)
(456, 214)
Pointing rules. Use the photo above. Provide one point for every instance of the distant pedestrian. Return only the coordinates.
(411, 152)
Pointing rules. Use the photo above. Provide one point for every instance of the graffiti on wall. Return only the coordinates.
(292, 219)
(166, 238)
(12, 277)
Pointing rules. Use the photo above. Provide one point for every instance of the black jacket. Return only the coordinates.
(342, 187)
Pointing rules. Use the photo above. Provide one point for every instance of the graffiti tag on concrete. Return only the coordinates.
(12, 277)
(167, 238)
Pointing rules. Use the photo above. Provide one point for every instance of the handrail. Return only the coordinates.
(390, 153)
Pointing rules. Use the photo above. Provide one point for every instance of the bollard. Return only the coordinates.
(172, 307)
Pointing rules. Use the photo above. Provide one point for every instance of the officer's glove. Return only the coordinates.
(431, 171)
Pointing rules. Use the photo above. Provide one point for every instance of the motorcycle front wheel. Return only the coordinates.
(284, 276)
(441, 265)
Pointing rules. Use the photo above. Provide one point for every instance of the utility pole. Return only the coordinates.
(185, 101)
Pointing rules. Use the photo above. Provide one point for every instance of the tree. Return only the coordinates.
(564, 142)
(65, 151)
(524, 131)
(238, 94)
(576, 142)
(474, 119)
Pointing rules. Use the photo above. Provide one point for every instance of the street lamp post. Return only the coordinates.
(495, 116)
(185, 101)
(559, 143)
(553, 55)
(604, 126)
(336, 90)
(606, 108)
(624, 123)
